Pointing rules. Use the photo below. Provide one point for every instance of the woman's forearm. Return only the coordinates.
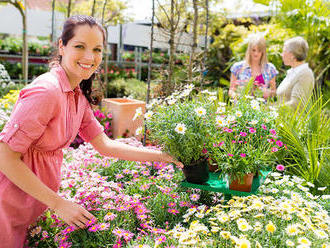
(17, 172)
(113, 148)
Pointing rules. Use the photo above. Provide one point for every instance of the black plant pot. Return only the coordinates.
(197, 173)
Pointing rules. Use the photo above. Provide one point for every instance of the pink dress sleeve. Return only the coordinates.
(90, 127)
(34, 108)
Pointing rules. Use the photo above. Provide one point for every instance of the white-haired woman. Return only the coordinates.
(254, 65)
(297, 86)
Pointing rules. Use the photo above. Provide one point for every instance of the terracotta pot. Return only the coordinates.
(245, 184)
(123, 111)
(197, 173)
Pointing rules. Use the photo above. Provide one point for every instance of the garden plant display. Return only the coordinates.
(244, 137)
(181, 125)
(141, 205)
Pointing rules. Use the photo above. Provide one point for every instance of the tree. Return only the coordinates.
(194, 40)
(172, 25)
(69, 8)
(18, 4)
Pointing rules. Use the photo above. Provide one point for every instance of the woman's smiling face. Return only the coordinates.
(82, 55)
(256, 54)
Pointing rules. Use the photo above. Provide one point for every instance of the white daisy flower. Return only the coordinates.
(148, 115)
(221, 122)
(221, 110)
(138, 113)
(200, 111)
(238, 113)
(180, 128)
(253, 122)
(138, 131)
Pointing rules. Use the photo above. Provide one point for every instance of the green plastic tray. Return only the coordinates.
(217, 184)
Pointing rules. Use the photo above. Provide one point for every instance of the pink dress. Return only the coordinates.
(46, 118)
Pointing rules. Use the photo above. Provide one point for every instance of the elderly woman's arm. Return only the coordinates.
(301, 91)
(233, 85)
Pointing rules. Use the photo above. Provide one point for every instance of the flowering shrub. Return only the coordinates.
(180, 126)
(140, 205)
(128, 199)
(285, 214)
(244, 137)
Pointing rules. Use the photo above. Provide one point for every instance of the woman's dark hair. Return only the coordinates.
(67, 34)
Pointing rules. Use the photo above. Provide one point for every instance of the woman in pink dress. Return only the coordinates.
(46, 118)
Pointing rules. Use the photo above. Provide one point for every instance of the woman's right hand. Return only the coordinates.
(72, 213)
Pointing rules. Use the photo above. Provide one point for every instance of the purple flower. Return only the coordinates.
(263, 126)
(91, 222)
(280, 167)
(173, 211)
(194, 197)
(204, 151)
(230, 154)
(94, 228)
(243, 155)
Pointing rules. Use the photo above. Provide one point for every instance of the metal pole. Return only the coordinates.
(53, 22)
(136, 60)
(120, 44)
(149, 66)
(206, 41)
(140, 62)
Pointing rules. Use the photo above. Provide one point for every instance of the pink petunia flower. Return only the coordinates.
(252, 130)
(243, 134)
(230, 154)
(274, 149)
(272, 131)
(279, 143)
(243, 155)
(280, 167)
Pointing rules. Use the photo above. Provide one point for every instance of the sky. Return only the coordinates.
(141, 9)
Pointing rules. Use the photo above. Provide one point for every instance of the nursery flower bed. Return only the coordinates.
(142, 205)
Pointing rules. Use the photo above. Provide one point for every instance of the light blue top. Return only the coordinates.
(242, 71)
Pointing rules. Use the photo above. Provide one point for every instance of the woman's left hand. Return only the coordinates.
(167, 158)
(266, 93)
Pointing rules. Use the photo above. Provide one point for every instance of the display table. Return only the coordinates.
(217, 184)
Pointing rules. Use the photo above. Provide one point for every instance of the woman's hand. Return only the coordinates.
(167, 158)
(72, 213)
(266, 93)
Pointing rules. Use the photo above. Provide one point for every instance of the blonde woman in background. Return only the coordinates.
(299, 82)
(254, 65)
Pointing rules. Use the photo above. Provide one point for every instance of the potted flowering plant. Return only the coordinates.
(244, 139)
(181, 127)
